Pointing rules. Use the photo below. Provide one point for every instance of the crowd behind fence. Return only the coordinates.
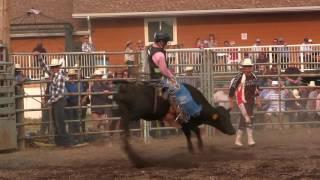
(212, 72)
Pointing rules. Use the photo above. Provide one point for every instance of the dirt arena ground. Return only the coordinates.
(287, 154)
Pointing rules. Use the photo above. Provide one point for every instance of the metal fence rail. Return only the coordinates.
(212, 72)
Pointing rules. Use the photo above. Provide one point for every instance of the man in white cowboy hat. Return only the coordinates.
(56, 99)
(20, 77)
(99, 114)
(85, 100)
(73, 101)
(245, 88)
(311, 103)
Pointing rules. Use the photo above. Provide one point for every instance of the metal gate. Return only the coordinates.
(8, 134)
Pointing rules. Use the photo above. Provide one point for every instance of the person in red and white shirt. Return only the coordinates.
(244, 86)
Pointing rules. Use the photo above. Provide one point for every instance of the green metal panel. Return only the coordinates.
(7, 109)
(7, 89)
(6, 100)
(8, 129)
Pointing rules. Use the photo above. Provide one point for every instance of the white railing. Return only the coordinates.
(87, 62)
(224, 59)
(307, 56)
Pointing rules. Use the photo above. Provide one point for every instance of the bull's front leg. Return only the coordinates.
(196, 130)
(126, 118)
(187, 132)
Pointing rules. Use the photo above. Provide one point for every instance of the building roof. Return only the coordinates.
(114, 8)
(52, 11)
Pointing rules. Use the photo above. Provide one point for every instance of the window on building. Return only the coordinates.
(153, 25)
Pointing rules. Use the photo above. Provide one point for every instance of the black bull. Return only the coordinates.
(136, 101)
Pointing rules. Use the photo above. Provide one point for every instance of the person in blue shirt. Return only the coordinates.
(72, 86)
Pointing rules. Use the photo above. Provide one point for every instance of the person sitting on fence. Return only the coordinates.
(276, 105)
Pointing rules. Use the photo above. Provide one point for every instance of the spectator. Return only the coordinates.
(311, 102)
(276, 104)
(262, 61)
(87, 46)
(293, 80)
(212, 41)
(221, 97)
(19, 92)
(85, 100)
(318, 107)
(256, 49)
(244, 87)
(306, 50)
(274, 72)
(189, 78)
(56, 99)
(275, 44)
(198, 43)
(263, 81)
(73, 101)
(44, 126)
(140, 45)
(284, 54)
(205, 44)
(114, 124)
(125, 74)
(129, 57)
(39, 48)
(89, 59)
(99, 114)
(2, 50)
(233, 58)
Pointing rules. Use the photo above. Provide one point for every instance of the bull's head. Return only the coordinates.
(220, 119)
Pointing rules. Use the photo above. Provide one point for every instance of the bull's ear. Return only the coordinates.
(215, 116)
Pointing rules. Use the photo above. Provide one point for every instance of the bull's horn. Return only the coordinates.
(215, 117)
